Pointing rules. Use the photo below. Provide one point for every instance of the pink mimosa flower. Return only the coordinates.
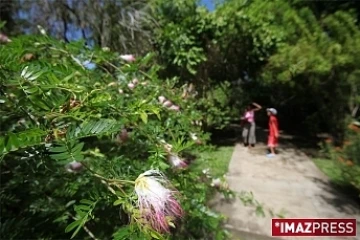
(167, 103)
(74, 167)
(161, 99)
(135, 81)
(174, 107)
(131, 85)
(4, 38)
(176, 161)
(157, 203)
(128, 57)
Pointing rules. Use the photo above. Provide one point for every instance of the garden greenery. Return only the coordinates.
(95, 146)
(82, 127)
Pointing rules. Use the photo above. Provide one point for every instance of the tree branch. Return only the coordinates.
(65, 27)
(78, 19)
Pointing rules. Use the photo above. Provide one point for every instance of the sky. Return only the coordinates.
(208, 3)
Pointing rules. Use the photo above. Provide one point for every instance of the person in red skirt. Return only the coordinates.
(273, 131)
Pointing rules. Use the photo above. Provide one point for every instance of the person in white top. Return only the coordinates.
(249, 126)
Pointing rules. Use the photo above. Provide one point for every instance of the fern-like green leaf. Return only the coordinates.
(83, 214)
(67, 151)
(95, 128)
(14, 141)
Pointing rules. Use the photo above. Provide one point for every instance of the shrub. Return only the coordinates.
(78, 126)
(347, 157)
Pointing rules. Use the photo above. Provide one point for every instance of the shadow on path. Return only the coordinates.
(343, 198)
(232, 135)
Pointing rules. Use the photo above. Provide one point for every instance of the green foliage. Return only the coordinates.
(344, 168)
(74, 138)
(217, 167)
(277, 59)
(318, 59)
(63, 104)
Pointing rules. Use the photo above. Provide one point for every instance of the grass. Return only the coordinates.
(331, 169)
(216, 160)
(335, 174)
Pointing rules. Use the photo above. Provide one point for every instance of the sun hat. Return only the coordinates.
(272, 110)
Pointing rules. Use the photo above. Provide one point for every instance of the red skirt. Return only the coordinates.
(272, 141)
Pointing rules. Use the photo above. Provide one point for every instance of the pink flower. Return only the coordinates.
(4, 38)
(176, 162)
(135, 81)
(174, 107)
(161, 99)
(128, 57)
(167, 103)
(157, 203)
(131, 85)
(74, 167)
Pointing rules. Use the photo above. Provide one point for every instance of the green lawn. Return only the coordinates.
(348, 183)
(216, 160)
(330, 169)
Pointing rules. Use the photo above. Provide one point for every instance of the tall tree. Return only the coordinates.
(121, 25)
(6, 8)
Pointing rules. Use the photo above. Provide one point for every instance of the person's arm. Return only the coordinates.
(257, 106)
(243, 116)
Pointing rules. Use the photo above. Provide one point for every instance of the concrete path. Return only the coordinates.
(289, 182)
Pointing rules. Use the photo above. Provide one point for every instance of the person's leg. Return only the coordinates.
(272, 150)
(245, 134)
(252, 137)
(271, 145)
(275, 145)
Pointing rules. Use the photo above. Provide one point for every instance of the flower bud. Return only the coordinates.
(174, 107)
(167, 103)
(131, 85)
(74, 167)
(135, 81)
(161, 99)
(128, 57)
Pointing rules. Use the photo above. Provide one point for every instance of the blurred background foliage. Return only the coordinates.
(300, 57)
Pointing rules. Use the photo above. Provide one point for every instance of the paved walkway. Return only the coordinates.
(289, 182)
